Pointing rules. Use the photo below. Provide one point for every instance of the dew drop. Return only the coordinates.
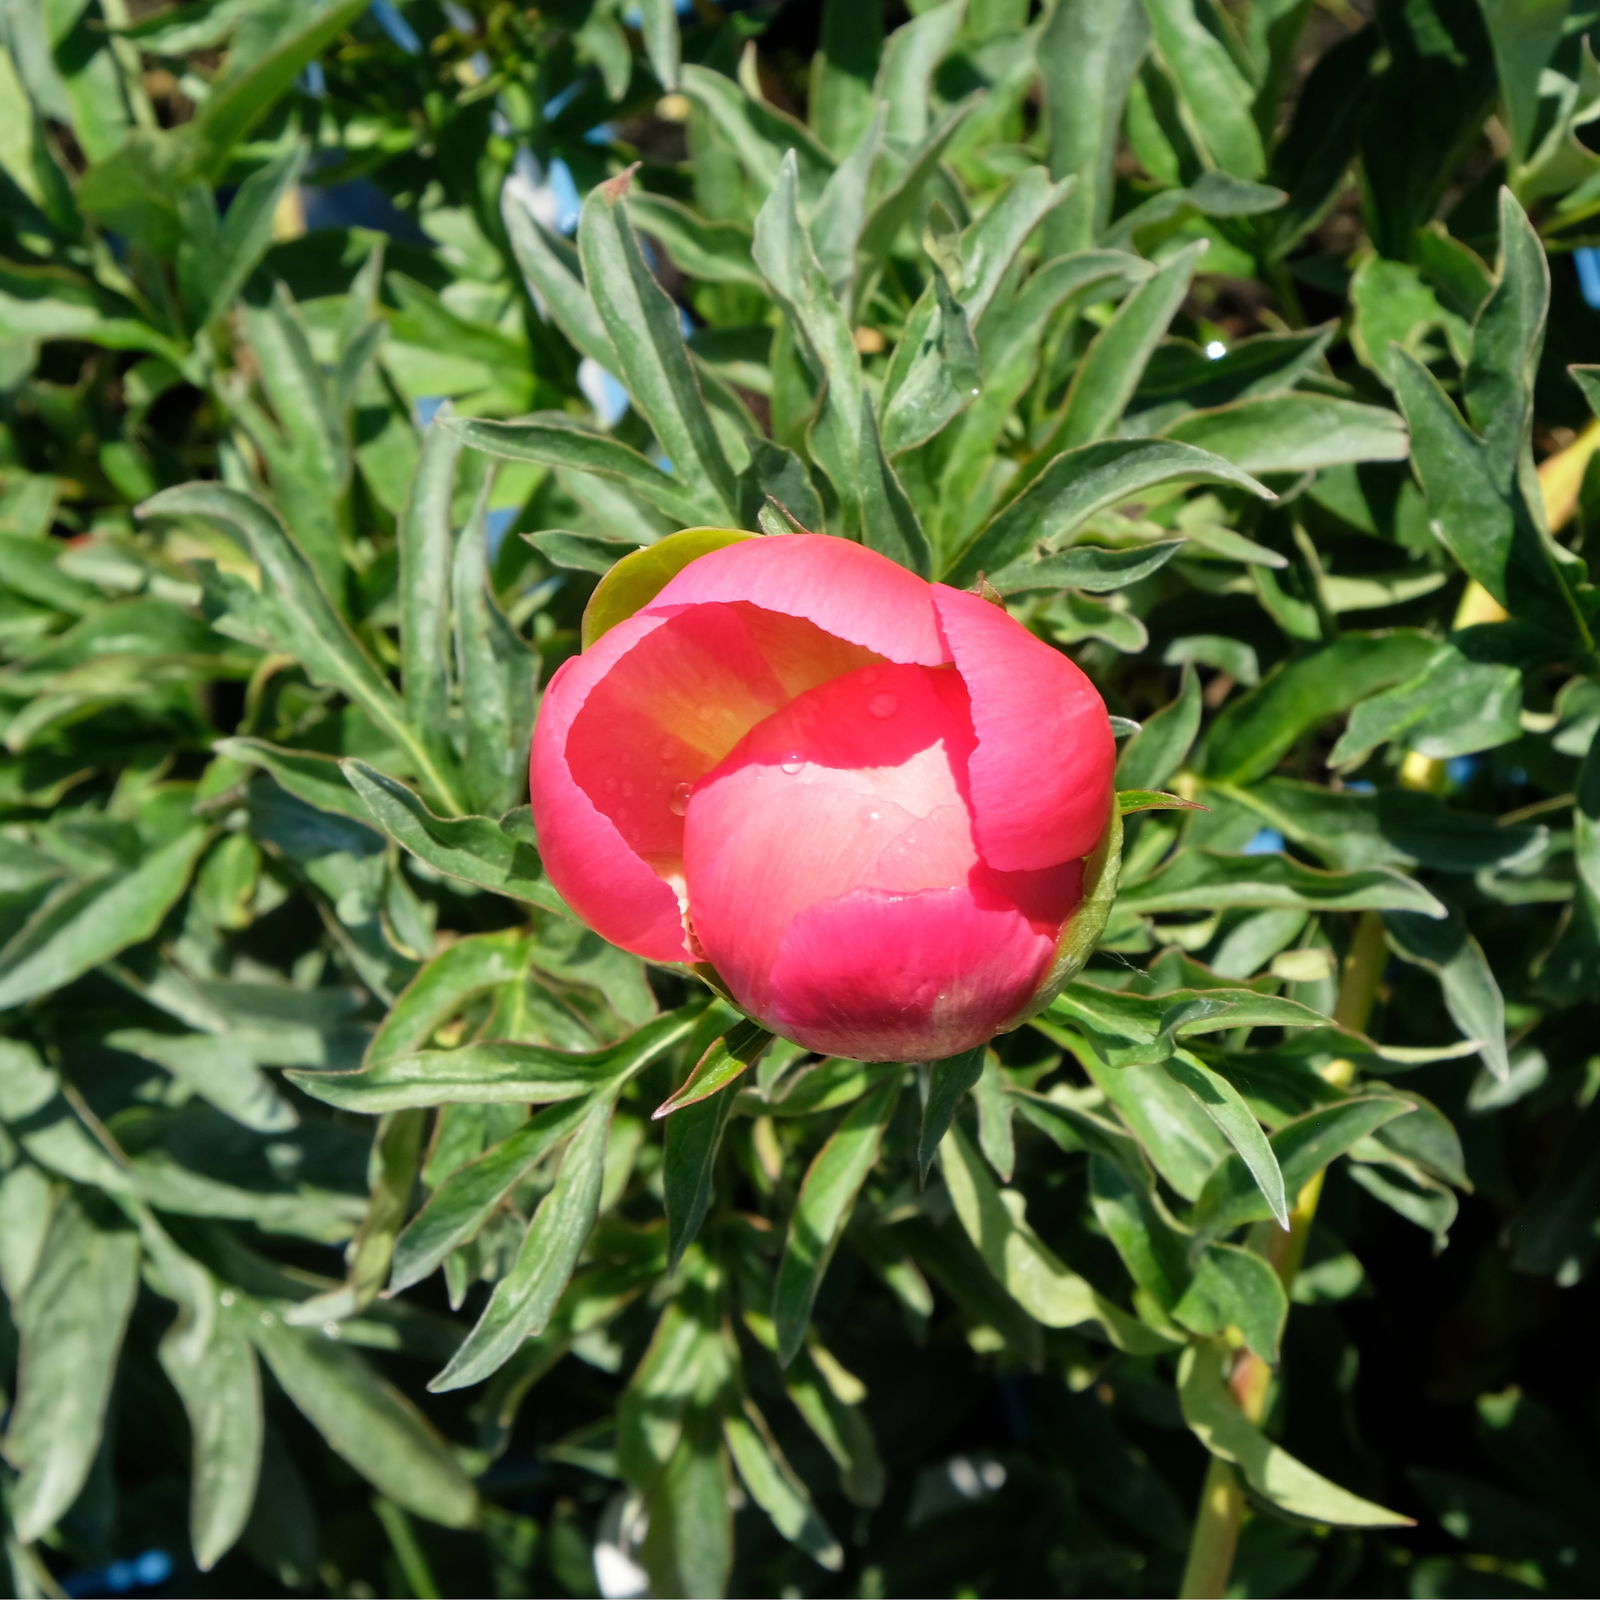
(870, 814)
(882, 705)
(627, 789)
(610, 786)
(791, 766)
(678, 800)
(267, 1319)
(227, 1297)
(973, 393)
(330, 1330)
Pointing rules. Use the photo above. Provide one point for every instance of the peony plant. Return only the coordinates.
(369, 1224)
(876, 812)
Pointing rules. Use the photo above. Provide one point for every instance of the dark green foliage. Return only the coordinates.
(366, 1224)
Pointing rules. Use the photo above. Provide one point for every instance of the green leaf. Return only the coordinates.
(1210, 1410)
(313, 629)
(947, 1081)
(688, 1543)
(1226, 1107)
(827, 1196)
(1089, 55)
(843, 69)
(423, 537)
(212, 1365)
(1087, 567)
(215, 1068)
(1113, 364)
(688, 1164)
(71, 1321)
(1303, 1148)
(315, 779)
(1479, 507)
(1146, 1018)
(1183, 1143)
(1454, 707)
(48, 1127)
(1235, 1288)
(996, 1106)
(760, 136)
(550, 268)
(1586, 823)
(1047, 1290)
(911, 54)
(1471, 991)
(710, 252)
(472, 1194)
(85, 924)
(1123, 1198)
(776, 1487)
(1161, 745)
(651, 357)
(1198, 880)
(641, 575)
(231, 110)
(497, 673)
(934, 371)
(366, 1421)
(1215, 93)
(1212, 194)
(1253, 734)
(525, 1298)
(841, 212)
(211, 279)
(494, 1072)
(393, 1168)
(725, 1060)
(844, 433)
(659, 24)
(555, 439)
(1293, 433)
(477, 850)
(1507, 337)
(1077, 485)
(903, 202)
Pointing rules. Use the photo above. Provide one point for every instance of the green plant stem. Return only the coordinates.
(1216, 1530)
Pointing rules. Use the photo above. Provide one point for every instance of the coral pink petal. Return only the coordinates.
(892, 977)
(678, 699)
(855, 784)
(835, 885)
(1041, 775)
(588, 861)
(850, 591)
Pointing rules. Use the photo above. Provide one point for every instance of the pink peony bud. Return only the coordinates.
(880, 809)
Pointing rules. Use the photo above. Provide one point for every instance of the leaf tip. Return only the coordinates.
(613, 189)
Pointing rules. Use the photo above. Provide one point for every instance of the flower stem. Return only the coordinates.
(1215, 1537)
(1216, 1530)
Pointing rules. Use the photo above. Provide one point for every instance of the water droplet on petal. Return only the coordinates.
(627, 790)
(610, 785)
(882, 705)
(678, 800)
(791, 766)
(870, 814)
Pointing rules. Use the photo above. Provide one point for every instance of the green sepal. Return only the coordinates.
(641, 575)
